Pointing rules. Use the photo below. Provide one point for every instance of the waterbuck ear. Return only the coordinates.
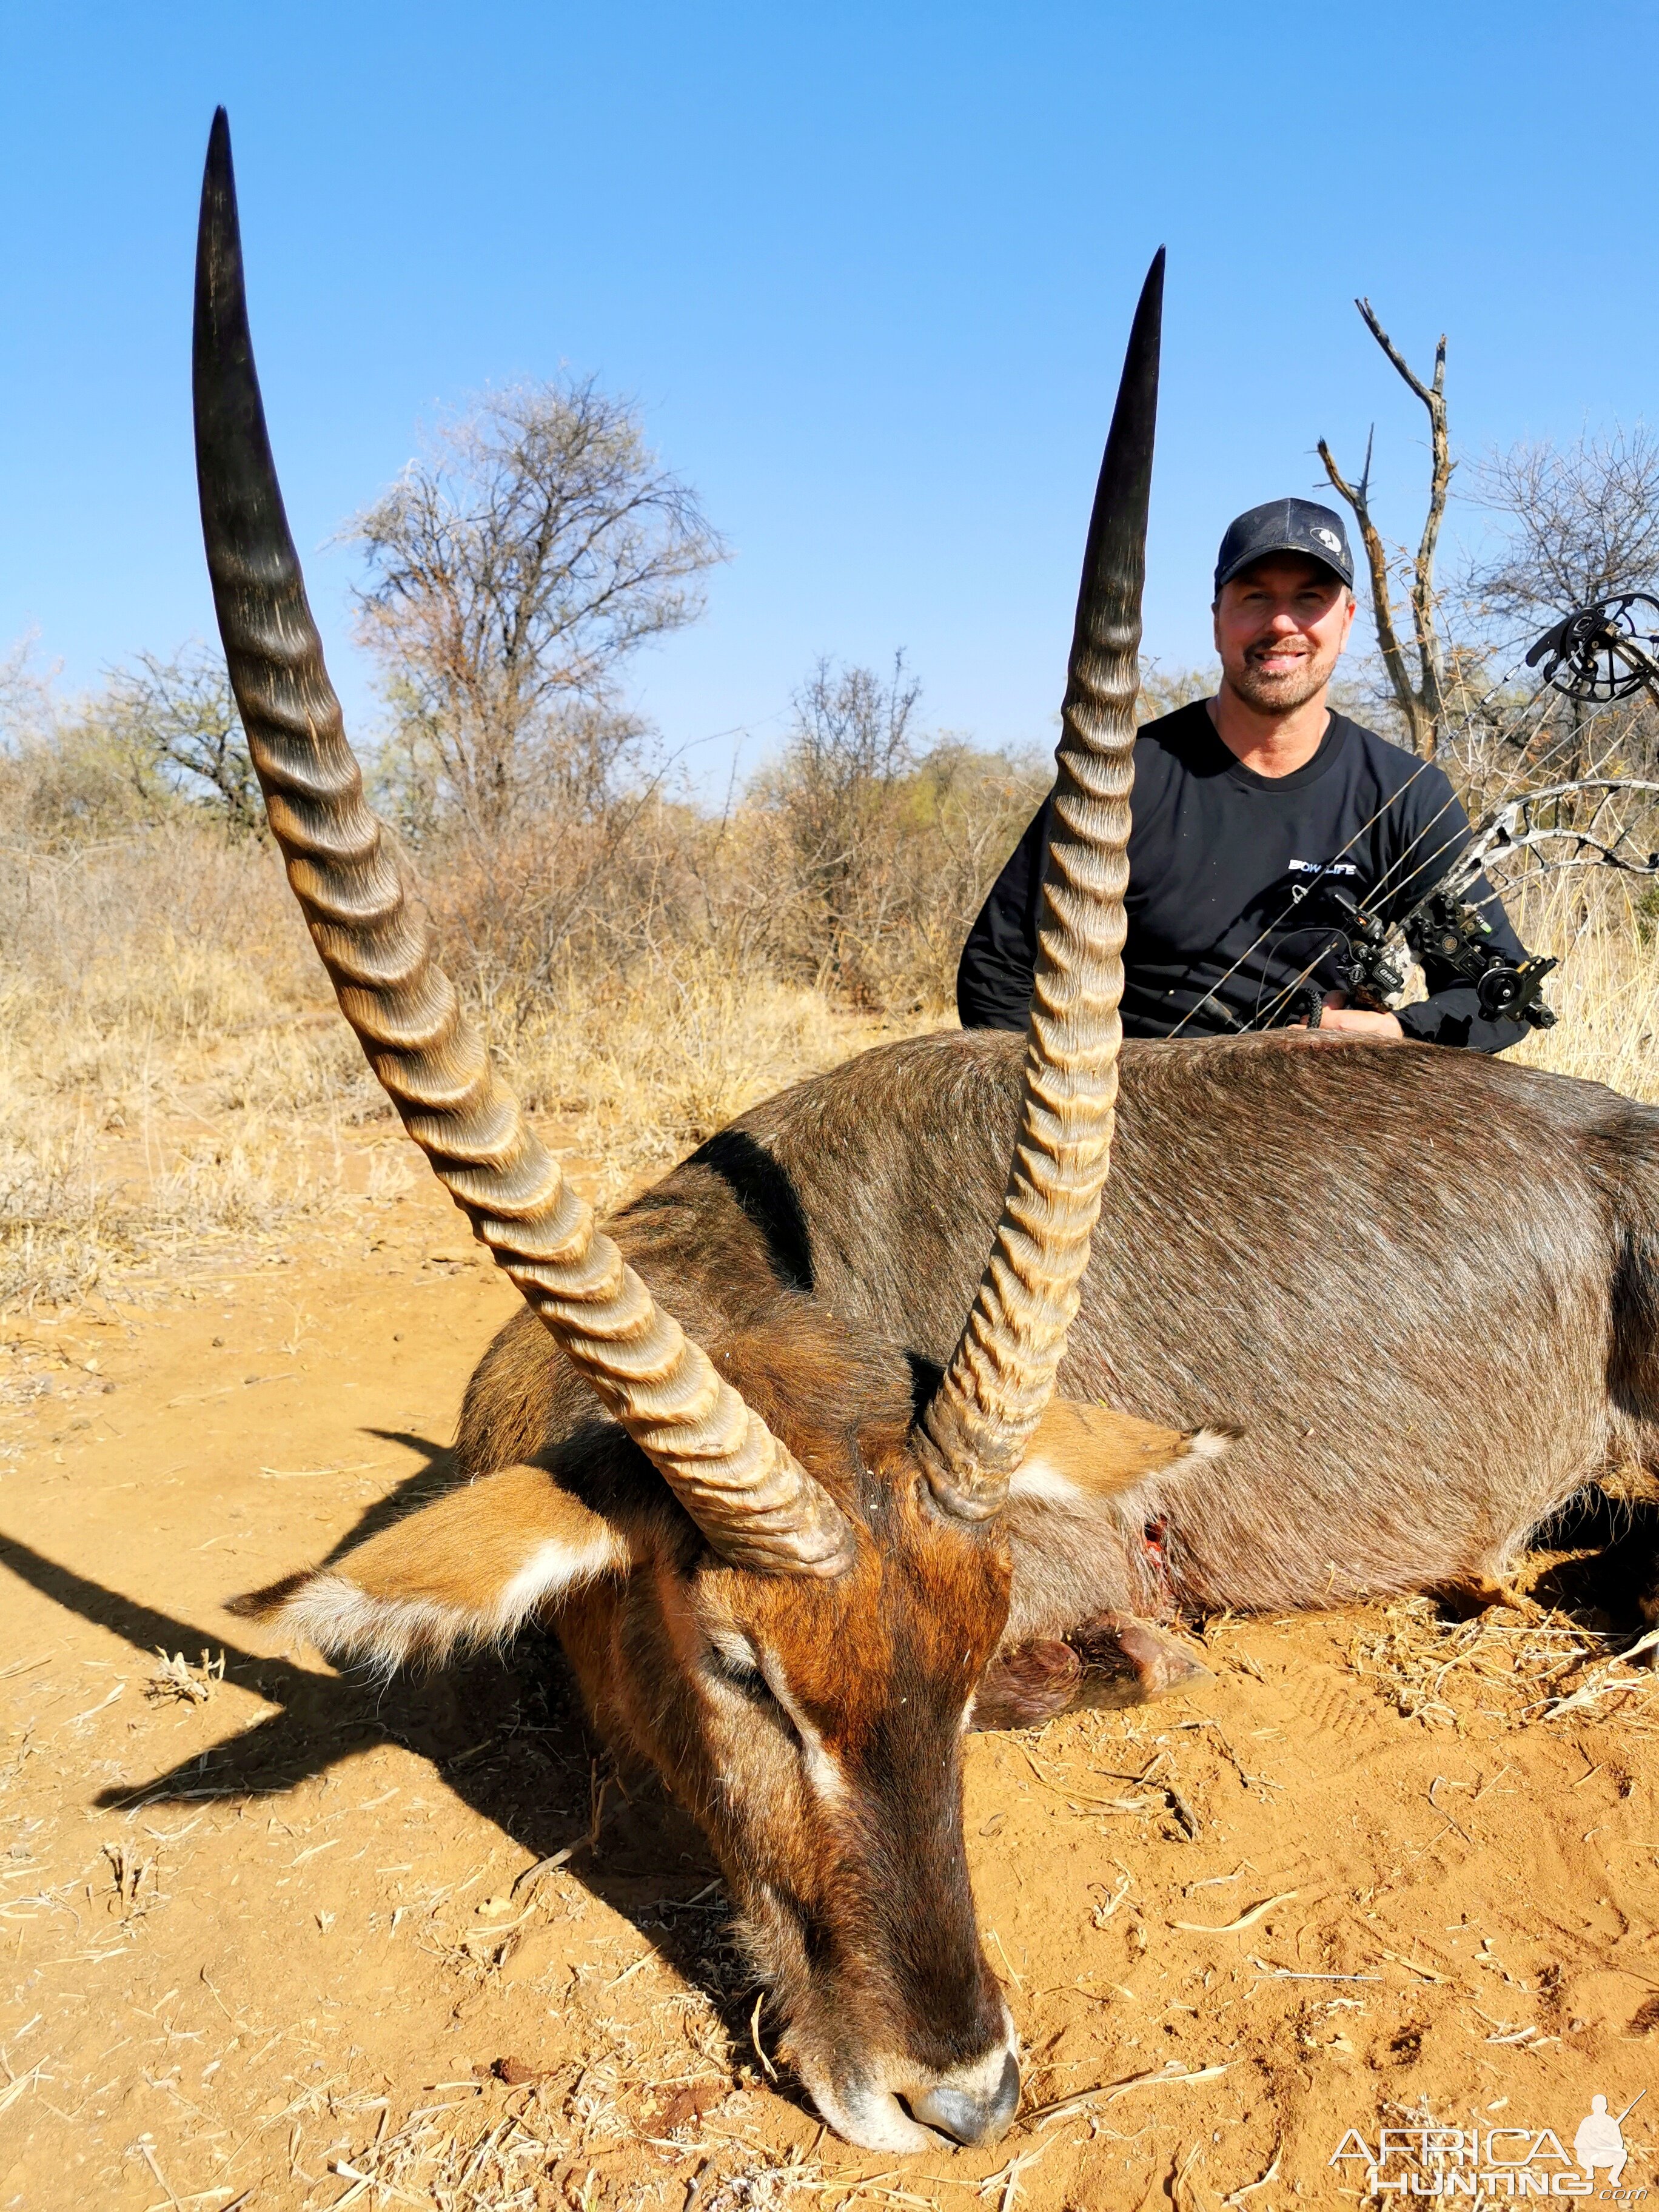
(467, 1569)
(1082, 1452)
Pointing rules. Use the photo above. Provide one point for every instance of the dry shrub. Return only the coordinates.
(173, 1069)
(882, 925)
(173, 1072)
(866, 896)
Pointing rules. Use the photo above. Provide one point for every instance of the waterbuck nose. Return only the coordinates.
(972, 2119)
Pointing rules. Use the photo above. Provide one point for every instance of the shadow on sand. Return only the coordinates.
(505, 1732)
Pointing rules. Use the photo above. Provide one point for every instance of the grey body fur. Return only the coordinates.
(1420, 1283)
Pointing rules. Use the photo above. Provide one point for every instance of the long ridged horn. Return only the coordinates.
(751, 1498)
(973, 1435)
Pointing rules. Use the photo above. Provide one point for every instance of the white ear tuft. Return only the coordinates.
(1081, 1453)
(468, 1569)
(1208, 1443)
(1042, 1480)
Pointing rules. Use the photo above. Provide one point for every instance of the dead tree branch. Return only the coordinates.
(1421, 703)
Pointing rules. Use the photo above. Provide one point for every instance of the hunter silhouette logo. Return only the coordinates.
(1329, 537)
(1600, 2141)
(1426, 2160)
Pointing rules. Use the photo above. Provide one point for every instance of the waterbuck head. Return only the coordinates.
(778, 1579)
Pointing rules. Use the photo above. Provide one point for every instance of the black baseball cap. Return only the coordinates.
(1285, 525)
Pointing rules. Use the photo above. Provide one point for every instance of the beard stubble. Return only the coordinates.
(1282, 695)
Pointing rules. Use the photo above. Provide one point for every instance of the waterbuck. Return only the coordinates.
(798, 1524)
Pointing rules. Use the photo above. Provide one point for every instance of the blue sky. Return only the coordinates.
(868, 269)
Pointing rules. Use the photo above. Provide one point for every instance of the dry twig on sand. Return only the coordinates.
(176, 1679)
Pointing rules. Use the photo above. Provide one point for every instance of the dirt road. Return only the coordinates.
(264, 1940)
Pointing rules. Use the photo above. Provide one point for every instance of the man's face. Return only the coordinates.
(1280, 626)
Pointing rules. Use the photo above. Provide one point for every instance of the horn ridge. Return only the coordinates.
(753, 1499)
(973, 1434)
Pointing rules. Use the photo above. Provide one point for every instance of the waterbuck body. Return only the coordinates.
(1420, 1285)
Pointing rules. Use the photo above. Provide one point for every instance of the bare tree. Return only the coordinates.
(515, 567)
(26, 705)
(176, 723)
(842, 775)
(1421, 699)
(1578, 523)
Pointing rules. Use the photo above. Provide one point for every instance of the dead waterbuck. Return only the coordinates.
(798, 1536)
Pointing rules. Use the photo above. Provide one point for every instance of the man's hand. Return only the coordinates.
(1354, 1021)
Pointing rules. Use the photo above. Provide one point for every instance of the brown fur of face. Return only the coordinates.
(815, 1730)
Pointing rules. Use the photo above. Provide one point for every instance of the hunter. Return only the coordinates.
(1256, 814)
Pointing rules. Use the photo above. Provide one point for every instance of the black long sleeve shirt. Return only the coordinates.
(1228, 903)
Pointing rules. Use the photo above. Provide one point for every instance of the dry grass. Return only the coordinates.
(642, 1075)
(1515, 1667)
(1606, 991)
(173, 1075)
(177, 1682)
(167, 1061)
(533, 2156)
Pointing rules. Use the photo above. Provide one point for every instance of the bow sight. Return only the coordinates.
(1443, 926)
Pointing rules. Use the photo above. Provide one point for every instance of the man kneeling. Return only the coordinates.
(1254, 814)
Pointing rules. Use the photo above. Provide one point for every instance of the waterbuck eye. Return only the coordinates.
(732, 1658)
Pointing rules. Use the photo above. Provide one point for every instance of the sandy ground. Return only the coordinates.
(260, 1940)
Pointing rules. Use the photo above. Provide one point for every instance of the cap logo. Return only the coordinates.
(1329, 537)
